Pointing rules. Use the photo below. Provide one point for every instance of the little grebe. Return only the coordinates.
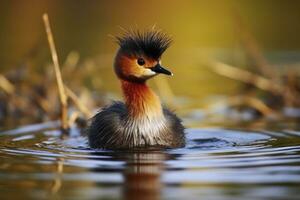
(141, 121)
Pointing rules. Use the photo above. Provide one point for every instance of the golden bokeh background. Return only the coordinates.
(198, 28)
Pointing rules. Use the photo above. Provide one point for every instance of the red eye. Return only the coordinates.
(141, 61)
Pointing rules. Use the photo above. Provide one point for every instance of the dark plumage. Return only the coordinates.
(108, 126)
(150, 43)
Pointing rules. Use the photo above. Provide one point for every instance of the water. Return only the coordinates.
(215, 164)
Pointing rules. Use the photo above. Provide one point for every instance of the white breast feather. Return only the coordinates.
(146, 128)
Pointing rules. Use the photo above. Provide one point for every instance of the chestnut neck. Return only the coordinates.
(140, 100)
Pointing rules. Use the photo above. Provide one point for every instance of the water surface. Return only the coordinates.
(216, 164)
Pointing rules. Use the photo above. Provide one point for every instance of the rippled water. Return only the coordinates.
(216, 164)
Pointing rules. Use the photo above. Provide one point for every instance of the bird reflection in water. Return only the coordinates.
(142, 175)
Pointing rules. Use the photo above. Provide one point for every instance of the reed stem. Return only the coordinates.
(62, 94)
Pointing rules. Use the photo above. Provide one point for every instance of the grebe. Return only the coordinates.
(141, 121)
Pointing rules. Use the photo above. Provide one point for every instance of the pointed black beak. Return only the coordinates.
(159, 69)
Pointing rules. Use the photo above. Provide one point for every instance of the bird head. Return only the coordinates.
(139, 55)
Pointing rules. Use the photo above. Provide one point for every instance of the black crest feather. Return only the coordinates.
(151, 43)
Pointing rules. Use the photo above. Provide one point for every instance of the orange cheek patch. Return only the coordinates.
(129, 67)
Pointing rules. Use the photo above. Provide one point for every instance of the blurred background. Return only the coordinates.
(251, 35)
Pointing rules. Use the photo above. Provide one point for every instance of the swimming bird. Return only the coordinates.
(142, 121)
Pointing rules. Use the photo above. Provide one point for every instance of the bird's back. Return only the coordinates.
(112, 128)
